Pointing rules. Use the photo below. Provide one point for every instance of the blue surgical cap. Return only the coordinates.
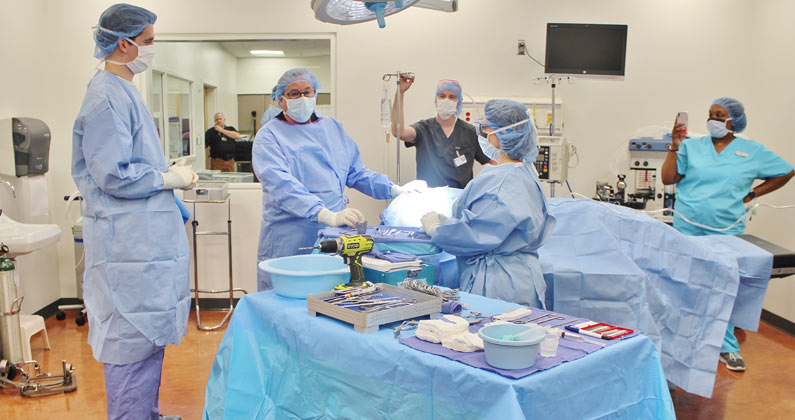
(520, 142)
(736, 111)
(117, 22)
(273, 93)
(454, 87)
(296, 75)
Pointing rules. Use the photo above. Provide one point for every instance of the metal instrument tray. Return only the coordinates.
(368, 322)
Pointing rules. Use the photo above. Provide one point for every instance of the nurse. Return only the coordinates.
(304, 161)
(714, 176)
(502, 217)
(136, 279)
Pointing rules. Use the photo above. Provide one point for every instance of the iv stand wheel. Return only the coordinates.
(80, 320)
(60, 315)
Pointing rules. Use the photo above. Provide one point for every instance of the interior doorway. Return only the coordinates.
(210, 105)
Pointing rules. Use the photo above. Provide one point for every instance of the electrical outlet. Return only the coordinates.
(521, 49)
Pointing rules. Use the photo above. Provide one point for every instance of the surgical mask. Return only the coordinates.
(717, 129)
(446, 108)
(300, 109)
(488, 149)
(146, 53)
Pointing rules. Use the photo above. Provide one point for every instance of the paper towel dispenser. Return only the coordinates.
(24, 147)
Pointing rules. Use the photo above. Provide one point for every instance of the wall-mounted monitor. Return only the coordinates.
(586, 49)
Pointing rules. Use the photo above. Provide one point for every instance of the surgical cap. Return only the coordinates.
(736, 111)
(117, 22)
(520, 142)
(454, 87)
(273, 94)
(296, 75)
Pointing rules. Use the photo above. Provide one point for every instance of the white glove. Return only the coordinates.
(179, 176)
(349, 216)
(431, 221)
(397, 190)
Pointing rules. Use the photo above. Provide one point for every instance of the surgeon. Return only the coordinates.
(136, 250)
(304, 161)
(447, 147)
(714, 177)
(502, 217)
(273, 110)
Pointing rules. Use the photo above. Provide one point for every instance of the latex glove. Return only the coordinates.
(397, 190)
(178, 176)
(431, 221)
(348, 216)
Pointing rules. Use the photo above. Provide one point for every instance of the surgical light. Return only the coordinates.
(267, 53)
(347, 12)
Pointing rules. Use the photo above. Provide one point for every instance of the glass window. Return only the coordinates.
(178, 129)
(156, 101)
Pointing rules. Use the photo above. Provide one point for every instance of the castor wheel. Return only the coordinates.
(80, 320)
(60, 315)
(12, 372)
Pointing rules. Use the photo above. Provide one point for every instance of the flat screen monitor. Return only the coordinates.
(586, 49)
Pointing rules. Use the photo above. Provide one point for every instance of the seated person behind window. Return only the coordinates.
(221, 141)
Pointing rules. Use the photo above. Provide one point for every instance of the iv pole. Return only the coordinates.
(553, 80)
(399, 121)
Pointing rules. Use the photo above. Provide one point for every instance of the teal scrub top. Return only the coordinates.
(713, 186)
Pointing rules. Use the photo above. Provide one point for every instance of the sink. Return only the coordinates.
(23, 238)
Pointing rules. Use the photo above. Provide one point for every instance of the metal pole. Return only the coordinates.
(552, 125)
(399, 127)
(196, 267)
(229, 241)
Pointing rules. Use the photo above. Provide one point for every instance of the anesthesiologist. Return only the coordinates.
(136, 249)
(502, 217)
(304, 161)
(447, 147)
(713, 176)
(273, 110)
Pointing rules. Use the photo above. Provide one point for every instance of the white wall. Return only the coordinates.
(259, 75)
(681, 55)
(769, 106)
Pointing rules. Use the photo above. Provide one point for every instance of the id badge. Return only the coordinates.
(460, 160)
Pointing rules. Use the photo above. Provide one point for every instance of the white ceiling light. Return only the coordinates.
(267, 53)
(346, 12)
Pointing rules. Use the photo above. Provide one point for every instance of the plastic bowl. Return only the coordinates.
(302, 275)
(503, 354)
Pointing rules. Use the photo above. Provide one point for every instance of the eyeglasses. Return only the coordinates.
(295, 94)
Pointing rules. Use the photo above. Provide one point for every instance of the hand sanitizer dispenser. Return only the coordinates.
(24, 147)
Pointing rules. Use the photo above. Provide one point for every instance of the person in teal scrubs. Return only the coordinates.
(714, 176)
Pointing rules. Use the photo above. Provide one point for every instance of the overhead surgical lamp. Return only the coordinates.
(347, 12)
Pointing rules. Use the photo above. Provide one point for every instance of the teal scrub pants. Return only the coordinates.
(730, 344)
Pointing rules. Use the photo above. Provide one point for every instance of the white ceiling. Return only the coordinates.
(291, 47)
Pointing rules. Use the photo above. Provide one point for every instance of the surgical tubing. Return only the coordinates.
(744, 216)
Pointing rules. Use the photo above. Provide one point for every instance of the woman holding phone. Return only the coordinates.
(714, 176)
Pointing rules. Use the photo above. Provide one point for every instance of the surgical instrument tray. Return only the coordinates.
(368, 322)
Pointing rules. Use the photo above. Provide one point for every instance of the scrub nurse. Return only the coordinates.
(502, 216)
(304, 161)
(136, 279)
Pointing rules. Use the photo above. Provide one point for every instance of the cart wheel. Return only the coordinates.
(60, 315)
(12, 372)
(80, 320)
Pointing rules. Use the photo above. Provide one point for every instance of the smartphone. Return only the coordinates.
(681, 118)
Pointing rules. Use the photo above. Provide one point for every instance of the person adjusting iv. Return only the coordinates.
(714, 176)
(136, 248)
(446, 145)
(304, 161)
(502, 217)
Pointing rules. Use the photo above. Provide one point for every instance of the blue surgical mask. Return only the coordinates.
(717, 129)
(300, 109)
(488, 149)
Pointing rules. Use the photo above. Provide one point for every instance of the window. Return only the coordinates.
(172, 113)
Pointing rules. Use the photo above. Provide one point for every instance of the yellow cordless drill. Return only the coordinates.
(351, 248)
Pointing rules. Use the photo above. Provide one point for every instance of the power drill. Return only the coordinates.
(351, 248)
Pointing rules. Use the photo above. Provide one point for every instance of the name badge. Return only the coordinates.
(741, 154)
(460, 160)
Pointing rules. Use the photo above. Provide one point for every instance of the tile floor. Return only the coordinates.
(762, 392)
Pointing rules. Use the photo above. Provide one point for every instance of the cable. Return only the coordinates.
(533, 58)
(744, 216)
(573, 152)
(570, 191)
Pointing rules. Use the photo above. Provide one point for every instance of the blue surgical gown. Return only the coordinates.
(304, 168)
(136, 279)
(498, 224)
(713, 186)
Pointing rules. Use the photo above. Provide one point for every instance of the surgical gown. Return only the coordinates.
(304, 168)
(498, 224)
(136, 250)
